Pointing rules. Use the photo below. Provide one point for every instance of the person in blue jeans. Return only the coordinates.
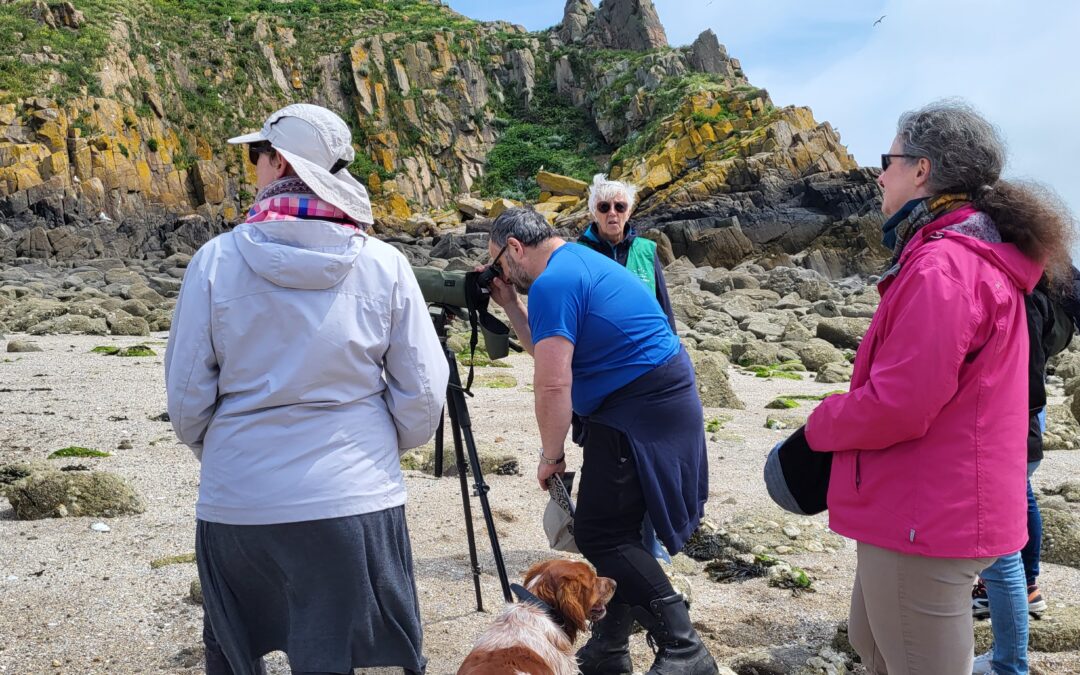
(1008, 591)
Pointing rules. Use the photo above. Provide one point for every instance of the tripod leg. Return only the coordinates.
(462, 427)
(439, 444)
(459, 455)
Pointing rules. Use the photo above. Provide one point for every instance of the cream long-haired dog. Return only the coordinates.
(536, 636)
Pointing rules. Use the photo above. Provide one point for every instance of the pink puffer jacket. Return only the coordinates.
(930, 449)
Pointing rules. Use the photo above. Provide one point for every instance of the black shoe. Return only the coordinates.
(608, 650)
(679, 650)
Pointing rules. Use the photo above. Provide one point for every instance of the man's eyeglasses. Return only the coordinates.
(495, 263)
(604, 207)
(886, 159)
(256, 149)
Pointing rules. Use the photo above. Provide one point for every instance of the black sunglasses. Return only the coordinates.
(604, 207)
(256, 149)
(495, 263)
(886, 159)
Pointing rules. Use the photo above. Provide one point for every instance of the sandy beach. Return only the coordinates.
(75, 600)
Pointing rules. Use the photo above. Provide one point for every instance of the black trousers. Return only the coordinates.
(608, 519)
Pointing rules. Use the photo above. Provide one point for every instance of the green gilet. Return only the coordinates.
(640, 259)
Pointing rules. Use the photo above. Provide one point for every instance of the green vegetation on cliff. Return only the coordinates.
(547, 134)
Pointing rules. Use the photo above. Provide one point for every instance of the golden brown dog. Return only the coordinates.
(526, 640)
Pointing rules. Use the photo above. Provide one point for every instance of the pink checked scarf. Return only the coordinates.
(298, 207)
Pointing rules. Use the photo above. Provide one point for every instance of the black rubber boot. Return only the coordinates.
(679, 650)
(608, 650)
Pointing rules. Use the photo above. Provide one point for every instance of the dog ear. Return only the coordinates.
(575, 598)
(535, 571)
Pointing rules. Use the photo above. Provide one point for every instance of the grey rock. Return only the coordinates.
(714, 388)
(51, 494)
(121, 323)
(70, 324)
(22, 346)
(628, 24)
(816, 353)
(844, 332)
(755, 352)
(834, 373)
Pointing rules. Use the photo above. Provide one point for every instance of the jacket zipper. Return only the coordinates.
(858, 470)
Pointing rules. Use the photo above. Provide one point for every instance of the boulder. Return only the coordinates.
(472, 207)
(843, 332)
(814, 353)
(1069, 491)
(70, 324)
(835, 373)
(492, 461)
(755, 352)
(713, 385)
(1062, 430)
(22, 346)
(122, 323)
(55, 494)
(561, 185)
(1061, 536)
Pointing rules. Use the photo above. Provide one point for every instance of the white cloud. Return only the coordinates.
(1015, 62)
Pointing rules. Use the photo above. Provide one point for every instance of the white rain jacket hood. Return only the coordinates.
(301, 361)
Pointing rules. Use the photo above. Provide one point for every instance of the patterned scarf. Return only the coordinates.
(913, 216)
(291, 199)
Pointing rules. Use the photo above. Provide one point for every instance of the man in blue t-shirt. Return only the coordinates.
(604, 349)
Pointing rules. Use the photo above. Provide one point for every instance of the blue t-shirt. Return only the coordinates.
(618, 331)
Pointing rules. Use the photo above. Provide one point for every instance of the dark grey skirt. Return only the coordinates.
(333, 594)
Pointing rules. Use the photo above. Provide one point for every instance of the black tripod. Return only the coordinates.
(461, 427)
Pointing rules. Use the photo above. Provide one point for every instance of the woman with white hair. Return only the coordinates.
(301, 362)
(610, 203)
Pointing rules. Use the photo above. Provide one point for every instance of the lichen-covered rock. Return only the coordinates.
(122, 323)
(55, 494)
(713, 384)
(843, 332)
(816, 353)
(1061, 536)
(1069, 490)
(492, 461)
(70, 324)
(835, 373)
(1062, 429)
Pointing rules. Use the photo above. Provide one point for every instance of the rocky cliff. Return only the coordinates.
(114, 115)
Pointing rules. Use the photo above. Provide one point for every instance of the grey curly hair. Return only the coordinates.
(967, 154)
(965, 151)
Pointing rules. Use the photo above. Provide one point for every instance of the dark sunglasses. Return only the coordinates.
(886, 159)
(604, 207)
(495, 266)
(256, 149)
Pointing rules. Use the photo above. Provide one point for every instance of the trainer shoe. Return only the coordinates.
(980, 601)
(1036, 603)
(984, 664)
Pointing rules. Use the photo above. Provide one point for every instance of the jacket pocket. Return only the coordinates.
(858, 469)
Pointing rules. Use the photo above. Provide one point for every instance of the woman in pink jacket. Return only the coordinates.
(928, 446)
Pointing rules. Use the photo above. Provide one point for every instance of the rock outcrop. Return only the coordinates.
(102, 153)
(627, 24)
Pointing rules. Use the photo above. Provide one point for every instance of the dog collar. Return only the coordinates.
(530, 599)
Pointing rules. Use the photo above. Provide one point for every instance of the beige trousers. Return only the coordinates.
(911, 615)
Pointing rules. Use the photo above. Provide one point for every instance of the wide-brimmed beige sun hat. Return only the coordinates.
(318, 145)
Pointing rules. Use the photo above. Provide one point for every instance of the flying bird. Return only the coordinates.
(880, 19)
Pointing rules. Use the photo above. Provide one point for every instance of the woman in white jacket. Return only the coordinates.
(301, 361)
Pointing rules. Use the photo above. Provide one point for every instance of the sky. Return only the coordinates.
(1017, 61)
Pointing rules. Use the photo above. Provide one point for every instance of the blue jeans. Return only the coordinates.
(1007, 591)
(1030, 552)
